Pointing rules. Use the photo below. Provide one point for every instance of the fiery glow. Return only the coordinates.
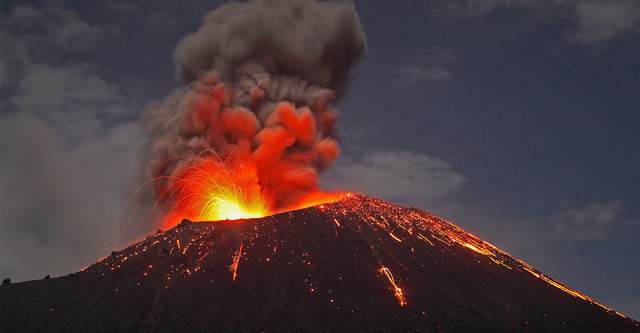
(395, 238)
(234, 264)
(397, 291)
(230, 208)
(211, 190)
(315, 199)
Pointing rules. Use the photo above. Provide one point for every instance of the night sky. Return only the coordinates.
(514, 119)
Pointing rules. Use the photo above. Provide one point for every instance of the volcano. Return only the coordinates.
(357, 264)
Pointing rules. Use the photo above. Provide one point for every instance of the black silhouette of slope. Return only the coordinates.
(358, 264)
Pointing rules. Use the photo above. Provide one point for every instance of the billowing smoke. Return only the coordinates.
(313, 40)
(260, 78)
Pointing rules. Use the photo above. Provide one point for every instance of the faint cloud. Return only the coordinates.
(599, 21)
(480, 8)
(69, 141)
(14, 57)
(593, 221)
(53, 25)
(405, 176)
(434, 65)
(60, 203)
(588, 22)
(160, 18)
(74, 34)
(32, 33)
(416, 73)
(72, 99)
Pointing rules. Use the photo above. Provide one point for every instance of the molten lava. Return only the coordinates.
(212, 190)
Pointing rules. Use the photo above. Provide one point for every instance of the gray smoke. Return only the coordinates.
(313, 40)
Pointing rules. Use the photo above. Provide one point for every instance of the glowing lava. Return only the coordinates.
(229, 209)
(211, 190)
(397, 291)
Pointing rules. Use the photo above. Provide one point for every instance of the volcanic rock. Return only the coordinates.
(358, 264)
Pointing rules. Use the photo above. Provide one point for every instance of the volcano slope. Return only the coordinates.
(358, 264)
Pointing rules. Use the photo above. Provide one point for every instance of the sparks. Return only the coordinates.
(234, 264)
(210, 190)
(395, 238)
(213, 190)
(316, 198)
(397, 291)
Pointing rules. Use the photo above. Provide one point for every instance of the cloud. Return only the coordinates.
(53, 25)
(13, 59)
(481, 8)
(69, 144)
(159, 18)
(73, 34)
(72, 99)
(59, 204)
(434, 65)
(30, 33)
(598, 21)
(406, 177)
(588, 22)
(593, 221)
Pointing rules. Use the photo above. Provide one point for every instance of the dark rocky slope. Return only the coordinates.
(358, 264)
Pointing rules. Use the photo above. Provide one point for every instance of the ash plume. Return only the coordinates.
(316, 41)
(260, 78)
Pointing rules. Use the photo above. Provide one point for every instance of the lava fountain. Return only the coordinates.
(212, 190)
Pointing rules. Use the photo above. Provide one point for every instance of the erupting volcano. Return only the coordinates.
(356, 264)
(240, 148)
(254, 127)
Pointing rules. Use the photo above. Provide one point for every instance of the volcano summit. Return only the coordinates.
(357, 264)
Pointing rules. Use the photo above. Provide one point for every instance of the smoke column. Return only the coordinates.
(256, 110)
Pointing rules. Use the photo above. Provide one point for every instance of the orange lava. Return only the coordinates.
(234, 264)
(397, 291)
(212, 190)
(315, 199)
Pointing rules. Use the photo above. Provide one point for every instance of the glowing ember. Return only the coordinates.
(212, 190)
(317, 199)
(234, 265)
(397, 291)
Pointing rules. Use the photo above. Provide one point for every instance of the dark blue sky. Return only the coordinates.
(515, 120)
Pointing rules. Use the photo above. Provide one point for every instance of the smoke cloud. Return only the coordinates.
(315, 41)
(260, 78)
